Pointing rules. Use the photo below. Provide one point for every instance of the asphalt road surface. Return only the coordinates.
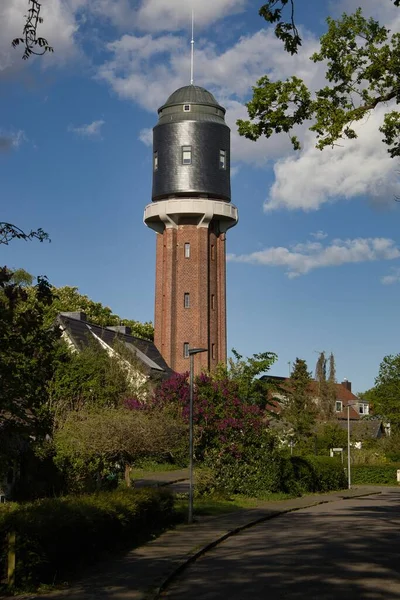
(342, 550)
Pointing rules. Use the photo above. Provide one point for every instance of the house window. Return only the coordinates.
(338, 406)
(222, 159)
(213, 351)
(186, 107)
(212, 252)
(186, 350)
(363, 409)
(155, 160)
(186, 300)
(212, 302)
(186, 155)
(187, 250)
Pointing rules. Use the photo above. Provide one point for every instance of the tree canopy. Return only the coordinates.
(385, 395)
(362, 60)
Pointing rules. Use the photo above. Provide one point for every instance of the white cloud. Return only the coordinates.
(146, 69)
(59, 27)
(393, 278)
(146, 136)
(319, 235)
(303, 258)
(312, 177)
(10, 141)
(91, 130)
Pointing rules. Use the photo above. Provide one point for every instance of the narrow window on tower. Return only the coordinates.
(186, 350)
(187, 250)
(186, 300)
(155, 160)
(186, 155)
(222, 159)
(212, 302)
(212, 252)
(213, 351)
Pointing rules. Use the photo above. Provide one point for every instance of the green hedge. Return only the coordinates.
(57, 536)
(262, 471)
(374, 474)
(318, 473)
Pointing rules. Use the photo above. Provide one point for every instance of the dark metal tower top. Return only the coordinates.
(191, 102)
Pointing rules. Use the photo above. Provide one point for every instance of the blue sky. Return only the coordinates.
(314, 262)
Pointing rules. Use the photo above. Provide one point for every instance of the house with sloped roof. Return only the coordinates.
(79, 333)
(347, 407)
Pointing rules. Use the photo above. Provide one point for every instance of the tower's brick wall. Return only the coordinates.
(202, 276)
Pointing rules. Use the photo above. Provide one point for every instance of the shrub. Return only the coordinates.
(56, 536)
(319, 473)
(375, 474)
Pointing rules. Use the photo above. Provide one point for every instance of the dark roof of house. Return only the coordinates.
(365, 428)
(81, 331)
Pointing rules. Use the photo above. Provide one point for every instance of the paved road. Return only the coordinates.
(343, 550)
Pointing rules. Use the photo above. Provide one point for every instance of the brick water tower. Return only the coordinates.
(191, 213)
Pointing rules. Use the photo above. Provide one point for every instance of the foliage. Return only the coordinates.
(385, 395)
(26, 363)
(318, 473)
(57, 536)
(362, 61)
(330, 435)
(258, 469)
(9, 232)
(299, 410)
(244, 372)
(33, 44)
(68, 299)
(92, 445)
(326, 385)
(221, 417)
(286, 31)
(374, 474)
(92, 378)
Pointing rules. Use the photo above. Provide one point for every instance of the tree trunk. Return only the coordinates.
(127, 475)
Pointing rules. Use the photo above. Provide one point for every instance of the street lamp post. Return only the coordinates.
(192, 352)
(348, 446)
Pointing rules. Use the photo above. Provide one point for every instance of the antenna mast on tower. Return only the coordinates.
(192, 51)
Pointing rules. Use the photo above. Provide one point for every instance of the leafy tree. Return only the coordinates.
(9, 232)
(95, 442)
(30, 40)
(323, 389)
(299, 410)
(385, 395)
(245, 373)
(331, 385)
(362, 61)
(68, 298)
(26, 362)
(93, 380)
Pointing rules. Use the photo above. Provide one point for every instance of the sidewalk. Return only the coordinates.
(144, 572)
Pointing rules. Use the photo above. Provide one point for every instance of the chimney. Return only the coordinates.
(78, 315)
(121, 329)
(347, 384)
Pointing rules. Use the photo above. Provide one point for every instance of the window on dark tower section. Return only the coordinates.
(155, 160)
(222, 159)
(186, 155)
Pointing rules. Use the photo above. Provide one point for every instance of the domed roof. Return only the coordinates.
(192, 94)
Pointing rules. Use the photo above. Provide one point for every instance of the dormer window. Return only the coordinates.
(186, 107)
(186, 155)
(338, 406)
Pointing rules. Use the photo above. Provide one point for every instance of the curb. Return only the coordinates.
(191, 558)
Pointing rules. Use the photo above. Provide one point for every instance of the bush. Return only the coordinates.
(57, 536)
(318, 473)
(375, 474)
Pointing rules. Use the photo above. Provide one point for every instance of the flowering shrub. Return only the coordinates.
(222, 420)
